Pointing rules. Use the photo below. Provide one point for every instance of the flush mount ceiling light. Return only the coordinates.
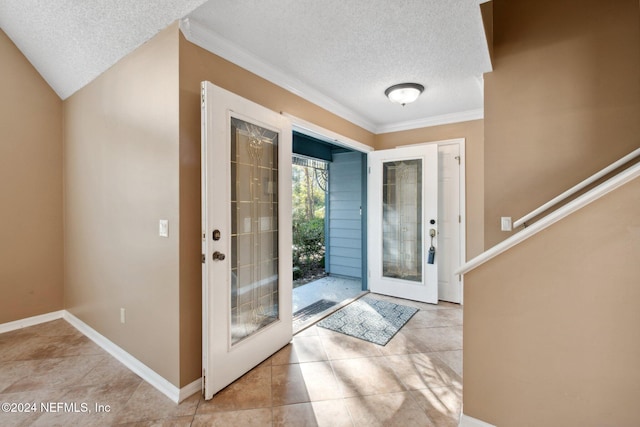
(404, 93)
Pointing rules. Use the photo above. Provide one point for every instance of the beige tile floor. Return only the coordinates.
(322, 378)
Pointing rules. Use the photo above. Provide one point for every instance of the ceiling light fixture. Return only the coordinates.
(404, 93)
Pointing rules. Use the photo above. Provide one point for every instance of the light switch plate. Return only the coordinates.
(163, 230)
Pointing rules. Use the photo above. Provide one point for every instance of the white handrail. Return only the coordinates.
(581, 201)
(593, 178)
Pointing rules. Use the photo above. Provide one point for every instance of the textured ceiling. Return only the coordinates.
(351, 51)
(71, 42)
(339, 54)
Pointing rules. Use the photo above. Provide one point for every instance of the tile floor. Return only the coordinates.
(321, 378)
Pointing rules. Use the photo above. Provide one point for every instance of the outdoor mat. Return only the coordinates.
(313, 309)
(369, 319)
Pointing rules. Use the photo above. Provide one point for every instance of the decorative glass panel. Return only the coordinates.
(254, 228)
(402, 220)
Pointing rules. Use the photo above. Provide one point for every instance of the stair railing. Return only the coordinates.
(579, 202)
(573, 190)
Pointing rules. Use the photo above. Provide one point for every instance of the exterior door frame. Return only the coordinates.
(318, 132)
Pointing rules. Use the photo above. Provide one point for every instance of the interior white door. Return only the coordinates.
(246, 232)
(450, 227)
(403, 209)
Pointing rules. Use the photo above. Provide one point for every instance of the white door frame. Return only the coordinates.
(461, 142)
(321, 133)
(327, 135)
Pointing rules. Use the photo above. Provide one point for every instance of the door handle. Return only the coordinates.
(218, 256)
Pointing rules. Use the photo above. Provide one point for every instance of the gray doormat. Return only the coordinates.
(369, 319)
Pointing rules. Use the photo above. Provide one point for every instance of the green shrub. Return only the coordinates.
(308, 244)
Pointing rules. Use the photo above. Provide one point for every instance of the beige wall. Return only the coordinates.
(562, 102)
(551, 326)
(121, 159)
(31, 248)
(190, 224)
(473, 132)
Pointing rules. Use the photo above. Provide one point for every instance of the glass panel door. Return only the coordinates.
(402, 202)
(246, 231)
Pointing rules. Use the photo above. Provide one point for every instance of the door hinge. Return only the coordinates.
(202, 97)
(459, 219)
(369, 170)
(203, 258)
(457, 158)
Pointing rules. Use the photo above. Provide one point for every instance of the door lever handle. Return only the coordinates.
(218, 256)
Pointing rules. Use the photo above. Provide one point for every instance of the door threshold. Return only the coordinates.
(319, 316)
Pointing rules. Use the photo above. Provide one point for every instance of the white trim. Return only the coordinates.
(136, 366)
(441, 142)
(578, 203)
(30, 321)
(190, 389)
(593, 178)
(463, 210)
(323, 134)
(463, 116)
(207, 39)
(467, 421)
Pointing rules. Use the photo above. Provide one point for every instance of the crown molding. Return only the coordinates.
(444, 119)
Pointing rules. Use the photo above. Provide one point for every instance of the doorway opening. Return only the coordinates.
(329, 196)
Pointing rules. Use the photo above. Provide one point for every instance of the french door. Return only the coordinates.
(403, 224)
(246, 232)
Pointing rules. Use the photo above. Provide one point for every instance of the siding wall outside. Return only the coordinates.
(345, 225)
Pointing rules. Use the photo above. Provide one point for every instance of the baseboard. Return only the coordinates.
(147, 374)
(191, 389)
(467, 421)
(30, 321)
